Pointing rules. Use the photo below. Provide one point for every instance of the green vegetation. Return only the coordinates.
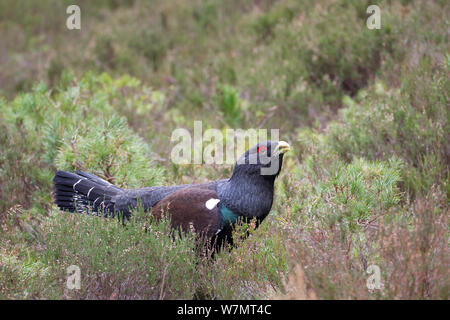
(366, 111)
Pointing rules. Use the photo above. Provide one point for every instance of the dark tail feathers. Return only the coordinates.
(84, 192)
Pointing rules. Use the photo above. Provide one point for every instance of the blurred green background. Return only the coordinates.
(366, 112)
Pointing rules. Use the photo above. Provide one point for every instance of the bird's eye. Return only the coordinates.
(261, 149)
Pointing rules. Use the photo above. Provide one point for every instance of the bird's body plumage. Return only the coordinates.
(210, 209)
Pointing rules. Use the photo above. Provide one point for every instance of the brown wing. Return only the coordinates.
(187, 210)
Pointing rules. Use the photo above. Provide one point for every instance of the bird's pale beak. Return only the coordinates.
(282, 147)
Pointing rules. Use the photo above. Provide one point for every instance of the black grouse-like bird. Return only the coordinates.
(211, 209)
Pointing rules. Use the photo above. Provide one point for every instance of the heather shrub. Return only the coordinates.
(365, 112)
(117, 261)
(23, 274)
(135, 260)
(111, 151)
(410, 251)
(79, 128)
(347, 216)
(410, 123)
(259, 264)
(230, 104)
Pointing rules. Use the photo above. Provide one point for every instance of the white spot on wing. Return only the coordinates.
(211, 203)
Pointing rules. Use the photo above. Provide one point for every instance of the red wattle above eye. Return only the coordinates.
(262, 148)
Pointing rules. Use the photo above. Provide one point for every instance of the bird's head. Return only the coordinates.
(249, 191)
(264, 159)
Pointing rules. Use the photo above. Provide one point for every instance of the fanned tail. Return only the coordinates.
(84, 193)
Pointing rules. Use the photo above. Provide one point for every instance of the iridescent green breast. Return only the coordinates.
(228, 216)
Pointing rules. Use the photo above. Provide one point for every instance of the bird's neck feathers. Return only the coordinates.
(248, 194)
